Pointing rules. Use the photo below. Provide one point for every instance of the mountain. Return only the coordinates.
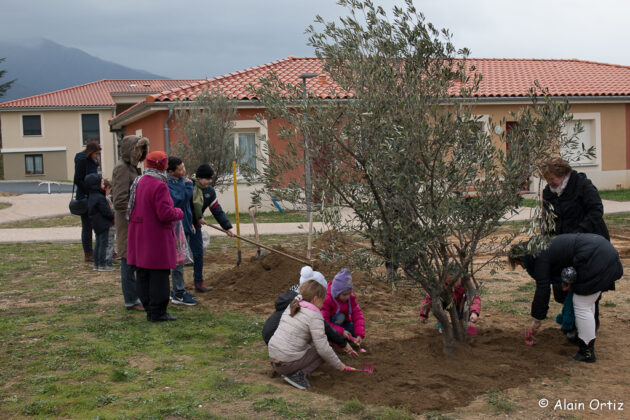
(43, 66)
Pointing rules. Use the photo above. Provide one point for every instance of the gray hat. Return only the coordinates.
(568, 275)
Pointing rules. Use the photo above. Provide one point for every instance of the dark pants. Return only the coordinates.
(86, 233)
(196, 249)
(340, 319)
(100, 248)
(153, 291)
(128, 281)
(308, 363)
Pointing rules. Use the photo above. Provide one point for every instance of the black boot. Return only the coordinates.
(572, 337)
(586, 353)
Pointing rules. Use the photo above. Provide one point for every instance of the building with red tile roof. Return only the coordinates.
(42, 133)
(599, 95)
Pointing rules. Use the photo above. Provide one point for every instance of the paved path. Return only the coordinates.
(34, 206)
(35, 187)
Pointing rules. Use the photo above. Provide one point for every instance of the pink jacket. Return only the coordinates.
(151, 241)
(459, 296)
(329, 309)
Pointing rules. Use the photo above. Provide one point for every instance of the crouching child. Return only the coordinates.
(301, 323)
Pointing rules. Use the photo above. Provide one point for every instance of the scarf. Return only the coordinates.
(560, 189)
(161, 175)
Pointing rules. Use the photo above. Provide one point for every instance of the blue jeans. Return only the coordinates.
(86, 233)
(196, 249)
(340, 319)
(177, 275)
(128, 281)
(100, 248)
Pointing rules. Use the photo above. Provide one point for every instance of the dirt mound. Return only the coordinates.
(417, 375)
(256, 283)
(624, 252)
(256, 280)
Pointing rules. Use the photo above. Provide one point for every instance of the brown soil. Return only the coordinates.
(410, 367)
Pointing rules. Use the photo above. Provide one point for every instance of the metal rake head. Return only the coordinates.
(369, 368)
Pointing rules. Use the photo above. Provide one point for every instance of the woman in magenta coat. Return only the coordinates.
(151, 241)
(341, 310)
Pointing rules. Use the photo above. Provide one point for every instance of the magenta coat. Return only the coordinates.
(331, 306)
(151, 241)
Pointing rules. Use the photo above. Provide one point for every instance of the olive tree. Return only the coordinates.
(204, 133)
(426, 182)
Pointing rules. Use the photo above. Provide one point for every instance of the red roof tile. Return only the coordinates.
(502, 78)
(95, 94)
(514, 77)
(236, 84)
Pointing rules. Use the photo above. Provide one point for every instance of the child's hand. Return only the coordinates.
(474, 317)
(358, 340)
(343, 368)
(349, 350)
(536, 326)
(347, 335)
(423, 319)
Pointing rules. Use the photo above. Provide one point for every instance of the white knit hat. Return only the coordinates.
(307, 273)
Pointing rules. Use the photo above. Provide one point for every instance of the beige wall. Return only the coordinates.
(608, 171)
(59, 129)
(54, 166)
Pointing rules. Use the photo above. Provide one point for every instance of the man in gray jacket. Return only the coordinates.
(133, 150)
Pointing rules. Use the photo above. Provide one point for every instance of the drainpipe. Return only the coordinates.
(114, 142)
(167, 139)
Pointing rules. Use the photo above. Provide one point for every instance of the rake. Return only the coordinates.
(529, 336)
(369, 368)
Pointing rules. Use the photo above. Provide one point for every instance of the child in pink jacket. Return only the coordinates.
(341, 310)
(459, 296)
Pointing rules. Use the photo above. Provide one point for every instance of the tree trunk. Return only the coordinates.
(458, 325)
(448, 337)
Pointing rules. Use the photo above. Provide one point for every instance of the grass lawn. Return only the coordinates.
(615, 195)
(4, 205)
(72, 351)
(261, 217)
(269, 217)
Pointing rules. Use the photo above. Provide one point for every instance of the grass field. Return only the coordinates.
(69, 221)
(69, 349)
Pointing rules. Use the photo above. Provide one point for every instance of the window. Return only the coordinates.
(89, 125)
(247, 149)
(33, 164)
(32, 125)
(585, 140)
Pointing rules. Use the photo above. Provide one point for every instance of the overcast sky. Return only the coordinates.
(207, 38)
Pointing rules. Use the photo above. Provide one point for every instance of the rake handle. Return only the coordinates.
(263, 246)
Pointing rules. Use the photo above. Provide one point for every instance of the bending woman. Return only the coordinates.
(597, 265)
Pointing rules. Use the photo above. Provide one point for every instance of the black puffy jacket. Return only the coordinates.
(593, 257)
(271, 324)
(101, 215)
(579, 208)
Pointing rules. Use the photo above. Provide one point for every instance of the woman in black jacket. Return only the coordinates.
(85, 163)
(597, 265)
(577, 207)
(574, 200)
